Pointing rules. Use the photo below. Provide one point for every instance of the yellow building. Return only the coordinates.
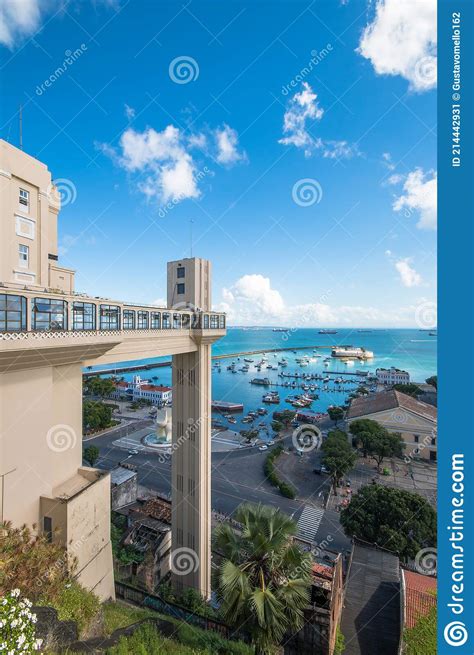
(48, 333)
(416, 421)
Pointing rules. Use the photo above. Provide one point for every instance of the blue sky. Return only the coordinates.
(299, 138)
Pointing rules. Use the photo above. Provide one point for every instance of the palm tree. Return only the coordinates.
(263, 582)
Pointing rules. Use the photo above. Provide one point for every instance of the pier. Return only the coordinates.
(146, 367)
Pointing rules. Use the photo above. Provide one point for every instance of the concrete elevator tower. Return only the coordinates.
(189, 286)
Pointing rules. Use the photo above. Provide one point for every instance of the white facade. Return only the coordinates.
(140, 389)
(392, 376)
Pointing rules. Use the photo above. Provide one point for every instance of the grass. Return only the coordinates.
(120, 615)
(270, 473)
(421, 639)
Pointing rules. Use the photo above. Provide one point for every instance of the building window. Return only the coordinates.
(48, 528)
(155, 320)
(83, 316)
(143, 320)
(176, 321)
(214, 322)
(180, 272)
(206, 321)
(12, 313)
(128, 319)
(109, 317)
(196, 324)
(24, 199)
(49, 314)
(186, 320)
(166, 322)
(433, 441)
(416, 437)
(180, 289)
(23, 256)
(222, 322)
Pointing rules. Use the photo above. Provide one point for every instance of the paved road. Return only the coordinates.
(237, 477)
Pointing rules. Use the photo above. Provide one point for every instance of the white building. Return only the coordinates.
(139, 389)
(392, 376)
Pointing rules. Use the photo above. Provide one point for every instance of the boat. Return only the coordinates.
(351, 351)
(433, 334)
(249, 361)
(232, 419)
(271, 398)
(224, 406)
(327, 331)
(261, 381)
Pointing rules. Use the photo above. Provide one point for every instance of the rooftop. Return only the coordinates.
(371, 616)
(420, 596)
(120, 475)
(392, 399)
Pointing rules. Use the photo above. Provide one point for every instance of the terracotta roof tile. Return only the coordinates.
(384, 400)
(420, 596)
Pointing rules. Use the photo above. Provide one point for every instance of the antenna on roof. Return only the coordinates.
(21, 127)
(191, 235)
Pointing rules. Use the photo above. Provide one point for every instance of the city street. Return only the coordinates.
(237, 477)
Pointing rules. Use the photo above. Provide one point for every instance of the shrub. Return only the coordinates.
(17, 624)
(75, 603)
(269, 470)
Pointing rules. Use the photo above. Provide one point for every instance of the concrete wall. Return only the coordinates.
(124, 493)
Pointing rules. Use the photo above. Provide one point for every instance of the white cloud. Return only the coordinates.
(168, 170)
(304, 107)
(227, 142)
(129, 112)
(162, 156)
(253, 295)
(401, 40)
(408, 276)
(253, 301)
(18, 19)
(420, 196)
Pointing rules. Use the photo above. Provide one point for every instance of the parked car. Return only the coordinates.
(133, 451)
(263, 447)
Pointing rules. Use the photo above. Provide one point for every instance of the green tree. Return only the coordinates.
(433, 381)
(263, 582)
(392, 518)
(95, 415)
(338, 456)
(91, 455)
(284, 416)
(376, 441)
(336, 414)
(409, 389)
(97, 386)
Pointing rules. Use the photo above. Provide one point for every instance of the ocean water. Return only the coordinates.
(411, 350)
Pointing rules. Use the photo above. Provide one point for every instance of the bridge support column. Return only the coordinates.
(191, 470)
